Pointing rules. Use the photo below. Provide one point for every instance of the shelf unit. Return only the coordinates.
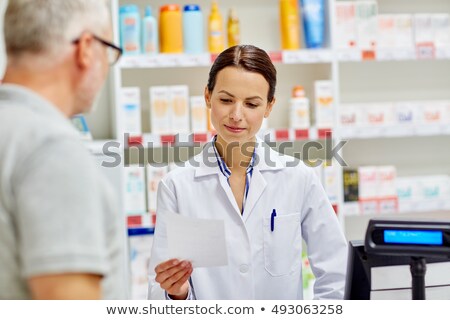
(358, 76)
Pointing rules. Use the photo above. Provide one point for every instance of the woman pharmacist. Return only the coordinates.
(268, 204)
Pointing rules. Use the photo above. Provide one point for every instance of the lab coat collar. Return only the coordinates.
(267, 159)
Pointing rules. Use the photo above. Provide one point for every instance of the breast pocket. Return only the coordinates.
(283, 245)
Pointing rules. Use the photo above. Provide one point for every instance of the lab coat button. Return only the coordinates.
(243, 268)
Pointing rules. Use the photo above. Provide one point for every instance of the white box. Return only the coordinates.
(154, 175)
(387, 191)
(324, 103)
(434, 188)
(130, 111)
(346, 36)
(408, 193)
(386, 182)
(432, 113)
(160, 110)
(406, 113)
(353, 115)
(299, 113)
(367, 24)
(404, 34)
(368, 183)
(199, 121)
(386, 31)
(331, 181)
(441, 28)
(423, 30)
(179, 101)
(408, 189)
(379, 114)
(134, 200)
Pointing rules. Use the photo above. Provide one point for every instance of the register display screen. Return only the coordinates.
(413, 237)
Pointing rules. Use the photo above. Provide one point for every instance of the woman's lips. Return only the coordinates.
(234, 129)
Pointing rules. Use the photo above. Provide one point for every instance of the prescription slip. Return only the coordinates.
(201, 241)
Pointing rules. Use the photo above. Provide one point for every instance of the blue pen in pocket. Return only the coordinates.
(272, 220)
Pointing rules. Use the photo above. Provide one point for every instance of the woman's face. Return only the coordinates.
(238, 104)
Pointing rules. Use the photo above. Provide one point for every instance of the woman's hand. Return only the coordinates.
(173, 275)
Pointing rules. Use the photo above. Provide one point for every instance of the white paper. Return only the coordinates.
(200, 241)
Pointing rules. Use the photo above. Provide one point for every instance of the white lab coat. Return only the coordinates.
(261, 264)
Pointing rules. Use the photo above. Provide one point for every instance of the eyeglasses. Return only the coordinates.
(114, 52)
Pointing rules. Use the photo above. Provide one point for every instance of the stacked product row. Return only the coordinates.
(312, 15)
(173, 111)
(141, 188)
(300, 115)
(358, 25)
(177, 30)
(395, 114)
(378, 190)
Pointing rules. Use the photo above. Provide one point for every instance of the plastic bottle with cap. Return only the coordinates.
(299, 109)
(215, 30)
(149, 32)
(171, 29)
(233, 30)
(193, 30)
(289, 25)
(130, 27)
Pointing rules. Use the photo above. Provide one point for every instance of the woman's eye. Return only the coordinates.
(225, 100)
(252, 105)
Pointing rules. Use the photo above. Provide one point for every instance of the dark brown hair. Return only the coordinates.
(249, 58)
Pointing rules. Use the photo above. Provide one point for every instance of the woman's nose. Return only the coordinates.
(236, 112)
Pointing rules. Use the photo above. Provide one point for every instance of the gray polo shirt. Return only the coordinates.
(57, 212)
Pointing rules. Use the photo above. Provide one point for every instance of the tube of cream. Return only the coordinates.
(313, 22)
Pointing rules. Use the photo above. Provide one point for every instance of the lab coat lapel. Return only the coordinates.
(268, 160)
(208, 166)
(227, 190)
(257, 186)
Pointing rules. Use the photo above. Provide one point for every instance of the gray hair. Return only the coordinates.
(46, 26)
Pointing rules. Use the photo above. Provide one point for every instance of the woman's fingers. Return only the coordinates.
(177, 278)
(181, 286)
(172, 275)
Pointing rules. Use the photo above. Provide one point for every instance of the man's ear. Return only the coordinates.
(207, 98)
(84, 53)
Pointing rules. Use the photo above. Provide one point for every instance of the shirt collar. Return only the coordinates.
(23, 96)
(264, 159)
(223, 166)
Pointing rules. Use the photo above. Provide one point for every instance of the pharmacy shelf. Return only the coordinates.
(351, 209)
(426, 52)
(150, 140)
(290, 57)
(206, 59)
(165, 61)
(304, 56)
(394, 131)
